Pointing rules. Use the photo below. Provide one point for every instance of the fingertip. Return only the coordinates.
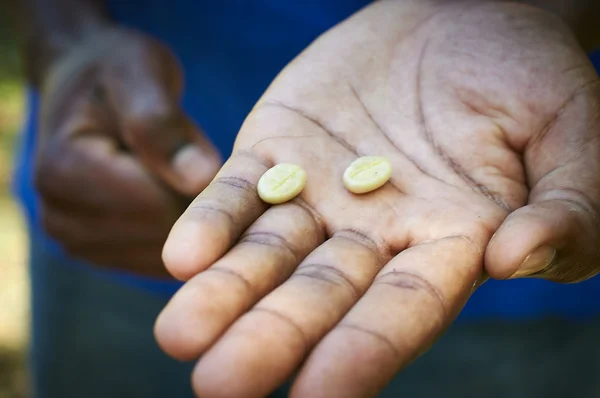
(190, 248)
(215, 378)
(210, 384)
(195, 167)
(214, 220)
(172, 338)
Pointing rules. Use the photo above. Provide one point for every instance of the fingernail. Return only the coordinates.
(541, 258)
(195, 167)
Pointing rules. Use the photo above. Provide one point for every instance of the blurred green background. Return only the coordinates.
(14, 294)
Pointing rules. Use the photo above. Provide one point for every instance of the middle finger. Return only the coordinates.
(264, 346)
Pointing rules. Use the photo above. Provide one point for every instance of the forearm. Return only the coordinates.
(46, 29)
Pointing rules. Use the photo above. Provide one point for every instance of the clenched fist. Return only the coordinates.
(118, 157)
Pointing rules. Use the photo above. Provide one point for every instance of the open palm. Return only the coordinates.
(484, 112)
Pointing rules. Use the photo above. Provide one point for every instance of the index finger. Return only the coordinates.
(216, 218)
(411, 302)
(89, 174)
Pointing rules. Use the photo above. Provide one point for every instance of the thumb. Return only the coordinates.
(144, 89)
(170, 145)
(557, 235)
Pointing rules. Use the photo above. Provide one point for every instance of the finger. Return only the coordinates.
(264, 257)
(556, 235)
(173, 148)
(79, 231)
(89, 173)
(145, 95)
(136, 259)
(412, 300)
(262, 349)
(216, 218)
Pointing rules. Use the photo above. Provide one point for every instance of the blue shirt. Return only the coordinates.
(230, 51)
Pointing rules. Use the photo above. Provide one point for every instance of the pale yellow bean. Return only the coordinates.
(281, 183)
(367, 173)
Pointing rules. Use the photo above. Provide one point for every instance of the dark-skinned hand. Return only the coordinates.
(488, 112)
(118, 159)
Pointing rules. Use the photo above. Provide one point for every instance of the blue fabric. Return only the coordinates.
(230, 51)
(89, 335)
(93, 338)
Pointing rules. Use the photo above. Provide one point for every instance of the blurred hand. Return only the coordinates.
(118, 157)
(489, 114)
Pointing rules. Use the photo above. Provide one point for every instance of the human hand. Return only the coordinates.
(489, 115)
(118, 159)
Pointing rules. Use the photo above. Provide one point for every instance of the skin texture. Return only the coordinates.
(118, 159)
(489, 115)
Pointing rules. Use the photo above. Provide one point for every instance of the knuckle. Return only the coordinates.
(270, 239)
(236, 184)
(203, 209)
(222, 199)
(373, 333)
(330, 275)
(362, 239)
(410, 281)
(238, 277)
(303, 335)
